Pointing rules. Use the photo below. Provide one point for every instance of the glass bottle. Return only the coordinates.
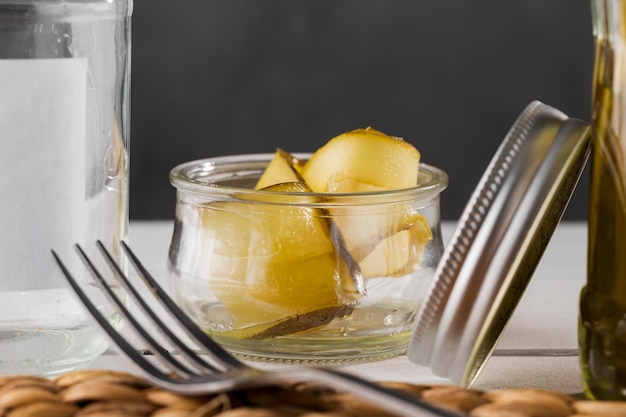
(602, 326)
(64, 118)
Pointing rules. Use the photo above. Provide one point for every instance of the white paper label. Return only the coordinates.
(42, 166)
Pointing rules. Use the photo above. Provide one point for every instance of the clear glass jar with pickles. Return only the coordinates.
(310, 258)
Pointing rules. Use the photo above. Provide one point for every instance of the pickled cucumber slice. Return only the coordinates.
(275, 267)
(387, 240)
(362, 160)
(399, 254)
(280, 170)
(264, 271)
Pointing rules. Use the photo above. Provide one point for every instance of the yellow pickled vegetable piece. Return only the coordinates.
(272, 262)
(280, 170)
(362, 160)
(398, 254)
(366, 160)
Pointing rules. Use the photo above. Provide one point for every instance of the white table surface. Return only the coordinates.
(538, 348)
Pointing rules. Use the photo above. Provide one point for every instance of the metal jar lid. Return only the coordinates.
(499, 241)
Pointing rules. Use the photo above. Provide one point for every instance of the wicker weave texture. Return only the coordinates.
(103, 393)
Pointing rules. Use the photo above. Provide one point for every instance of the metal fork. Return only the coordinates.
(189, 373)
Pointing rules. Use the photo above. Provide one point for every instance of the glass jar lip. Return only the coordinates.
(201, 178)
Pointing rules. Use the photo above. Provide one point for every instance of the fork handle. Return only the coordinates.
(386, 398)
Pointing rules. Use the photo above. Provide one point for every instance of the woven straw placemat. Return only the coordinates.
(98, 393)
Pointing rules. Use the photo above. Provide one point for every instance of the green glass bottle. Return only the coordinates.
(602, 324)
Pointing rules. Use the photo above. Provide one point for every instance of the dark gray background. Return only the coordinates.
(221, 77)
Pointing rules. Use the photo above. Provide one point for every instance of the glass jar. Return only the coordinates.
(64, 110)
(297, 276)
(602, 329)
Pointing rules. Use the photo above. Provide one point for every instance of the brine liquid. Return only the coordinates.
(602, 329)
(49, 351)
(59, 338)
(378, 327)
(370, 332)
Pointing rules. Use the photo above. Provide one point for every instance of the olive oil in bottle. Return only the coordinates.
(602, 325)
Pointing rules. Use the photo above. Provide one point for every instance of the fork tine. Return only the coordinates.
(214, 350)
(159, 351)
(241, 375)
(125, 348)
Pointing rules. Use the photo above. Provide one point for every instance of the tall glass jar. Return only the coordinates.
(602, 329)
(64, 118)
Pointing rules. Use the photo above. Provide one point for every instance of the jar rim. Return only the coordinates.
(201, 176)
